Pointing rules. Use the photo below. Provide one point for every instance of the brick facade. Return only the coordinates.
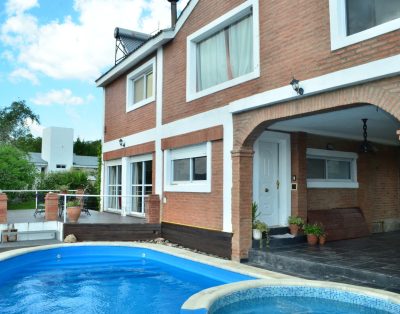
(199, 209)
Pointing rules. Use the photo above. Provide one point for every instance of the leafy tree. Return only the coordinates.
(28, 143)
(13, 121)
(97, 183)
(16, 172)
(86, 148)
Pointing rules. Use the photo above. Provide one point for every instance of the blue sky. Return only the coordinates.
(51, 51)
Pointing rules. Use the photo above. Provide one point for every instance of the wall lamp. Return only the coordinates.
(121, 142)
(296, 86)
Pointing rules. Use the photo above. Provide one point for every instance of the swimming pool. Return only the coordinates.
(292, 296)
(103, 279)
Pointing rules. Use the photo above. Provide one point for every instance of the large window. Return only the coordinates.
(114, 187)
(331, 169)
(188, 169)
(140, 86)
(224, 53)
(353, 21)
(141, 184)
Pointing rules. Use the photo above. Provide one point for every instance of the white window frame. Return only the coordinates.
(132, 77)
(131, 161)
(225, 20)
(339, 38)
(334, 155)
(193, 151)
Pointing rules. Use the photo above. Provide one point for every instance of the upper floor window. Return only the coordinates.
(140, 86)
(224, 53)
(353, 21)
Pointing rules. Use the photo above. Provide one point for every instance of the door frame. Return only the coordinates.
(284, 173)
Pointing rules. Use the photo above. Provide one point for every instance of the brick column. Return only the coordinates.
(242, 197)
(152, 209)
(51, 206)
(299, 169)
(3, 208)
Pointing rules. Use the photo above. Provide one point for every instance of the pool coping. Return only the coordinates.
(203, 300)
(182, 253)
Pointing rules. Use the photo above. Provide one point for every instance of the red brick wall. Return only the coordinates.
(199, 209)
(119, 123)
(130, 151)
(293, 41)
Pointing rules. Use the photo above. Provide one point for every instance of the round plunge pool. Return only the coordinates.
(292, 296)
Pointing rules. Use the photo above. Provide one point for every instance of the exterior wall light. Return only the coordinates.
(121, 142)
(296, 86)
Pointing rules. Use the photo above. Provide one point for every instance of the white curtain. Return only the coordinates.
(241, 47)
(212, 63)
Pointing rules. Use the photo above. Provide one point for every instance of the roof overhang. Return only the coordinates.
(147, 49)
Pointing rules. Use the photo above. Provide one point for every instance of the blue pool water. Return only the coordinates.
(103, 279)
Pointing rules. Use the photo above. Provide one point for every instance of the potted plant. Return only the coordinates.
(259, 228)
(254, 214)
(322, 235)
(74, 210)
(295, 223)
(312, 231)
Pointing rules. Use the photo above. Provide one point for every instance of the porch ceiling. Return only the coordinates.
(346, 123)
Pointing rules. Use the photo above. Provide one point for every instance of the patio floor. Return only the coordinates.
(372, 261)
(26, 215)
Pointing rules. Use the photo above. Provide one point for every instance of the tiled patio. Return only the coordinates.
(26, 215)
(372, 261)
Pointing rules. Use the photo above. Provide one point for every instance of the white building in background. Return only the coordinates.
(58, 152)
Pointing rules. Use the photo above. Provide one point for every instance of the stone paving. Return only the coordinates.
(372, 261)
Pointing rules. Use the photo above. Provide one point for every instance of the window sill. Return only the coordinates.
(213, 89)
(189, 187)
(140, 104)
(332, 185)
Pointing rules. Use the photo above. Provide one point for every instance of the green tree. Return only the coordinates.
(28, 143)
(72, 179)
(16, 172)
(86, 148)
(13, 121)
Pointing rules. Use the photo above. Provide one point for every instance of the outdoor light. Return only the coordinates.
(296, 86)
(121, 142)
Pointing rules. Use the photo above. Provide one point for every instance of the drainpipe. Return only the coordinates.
(174, 14)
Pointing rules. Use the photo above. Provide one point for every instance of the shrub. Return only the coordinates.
(72, 179)
(295, 220)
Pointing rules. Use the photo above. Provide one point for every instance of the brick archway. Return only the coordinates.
(384, 94)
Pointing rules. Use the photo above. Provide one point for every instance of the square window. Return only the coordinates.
(339, 169)
(181, 170)
(316, 168)
(200, 168)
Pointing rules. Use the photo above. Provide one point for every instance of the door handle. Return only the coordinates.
(266, 190)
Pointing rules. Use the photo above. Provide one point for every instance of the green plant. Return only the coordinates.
(295, 220)
(254, 213)
(74, 203)
(314, 229)
(262, 226)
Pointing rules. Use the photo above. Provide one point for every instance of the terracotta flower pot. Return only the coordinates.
(322, 240)
(294, 229)
(312, 239)
(73, 213)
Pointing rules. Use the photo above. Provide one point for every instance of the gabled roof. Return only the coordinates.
(36, 158)
(85, 161)
(146, 48)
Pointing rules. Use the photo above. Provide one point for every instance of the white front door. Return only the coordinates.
(268, 185)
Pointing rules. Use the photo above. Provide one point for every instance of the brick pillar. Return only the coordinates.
(299, 169)
(3, 208)
(51, 206)
(152, 209)
(242, 197)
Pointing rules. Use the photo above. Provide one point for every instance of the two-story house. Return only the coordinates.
(260, 101)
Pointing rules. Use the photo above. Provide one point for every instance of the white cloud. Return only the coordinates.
(57, 97)
(7, 55)
(19, 74)
(78, 50)
(20, 6)
(35, 128)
